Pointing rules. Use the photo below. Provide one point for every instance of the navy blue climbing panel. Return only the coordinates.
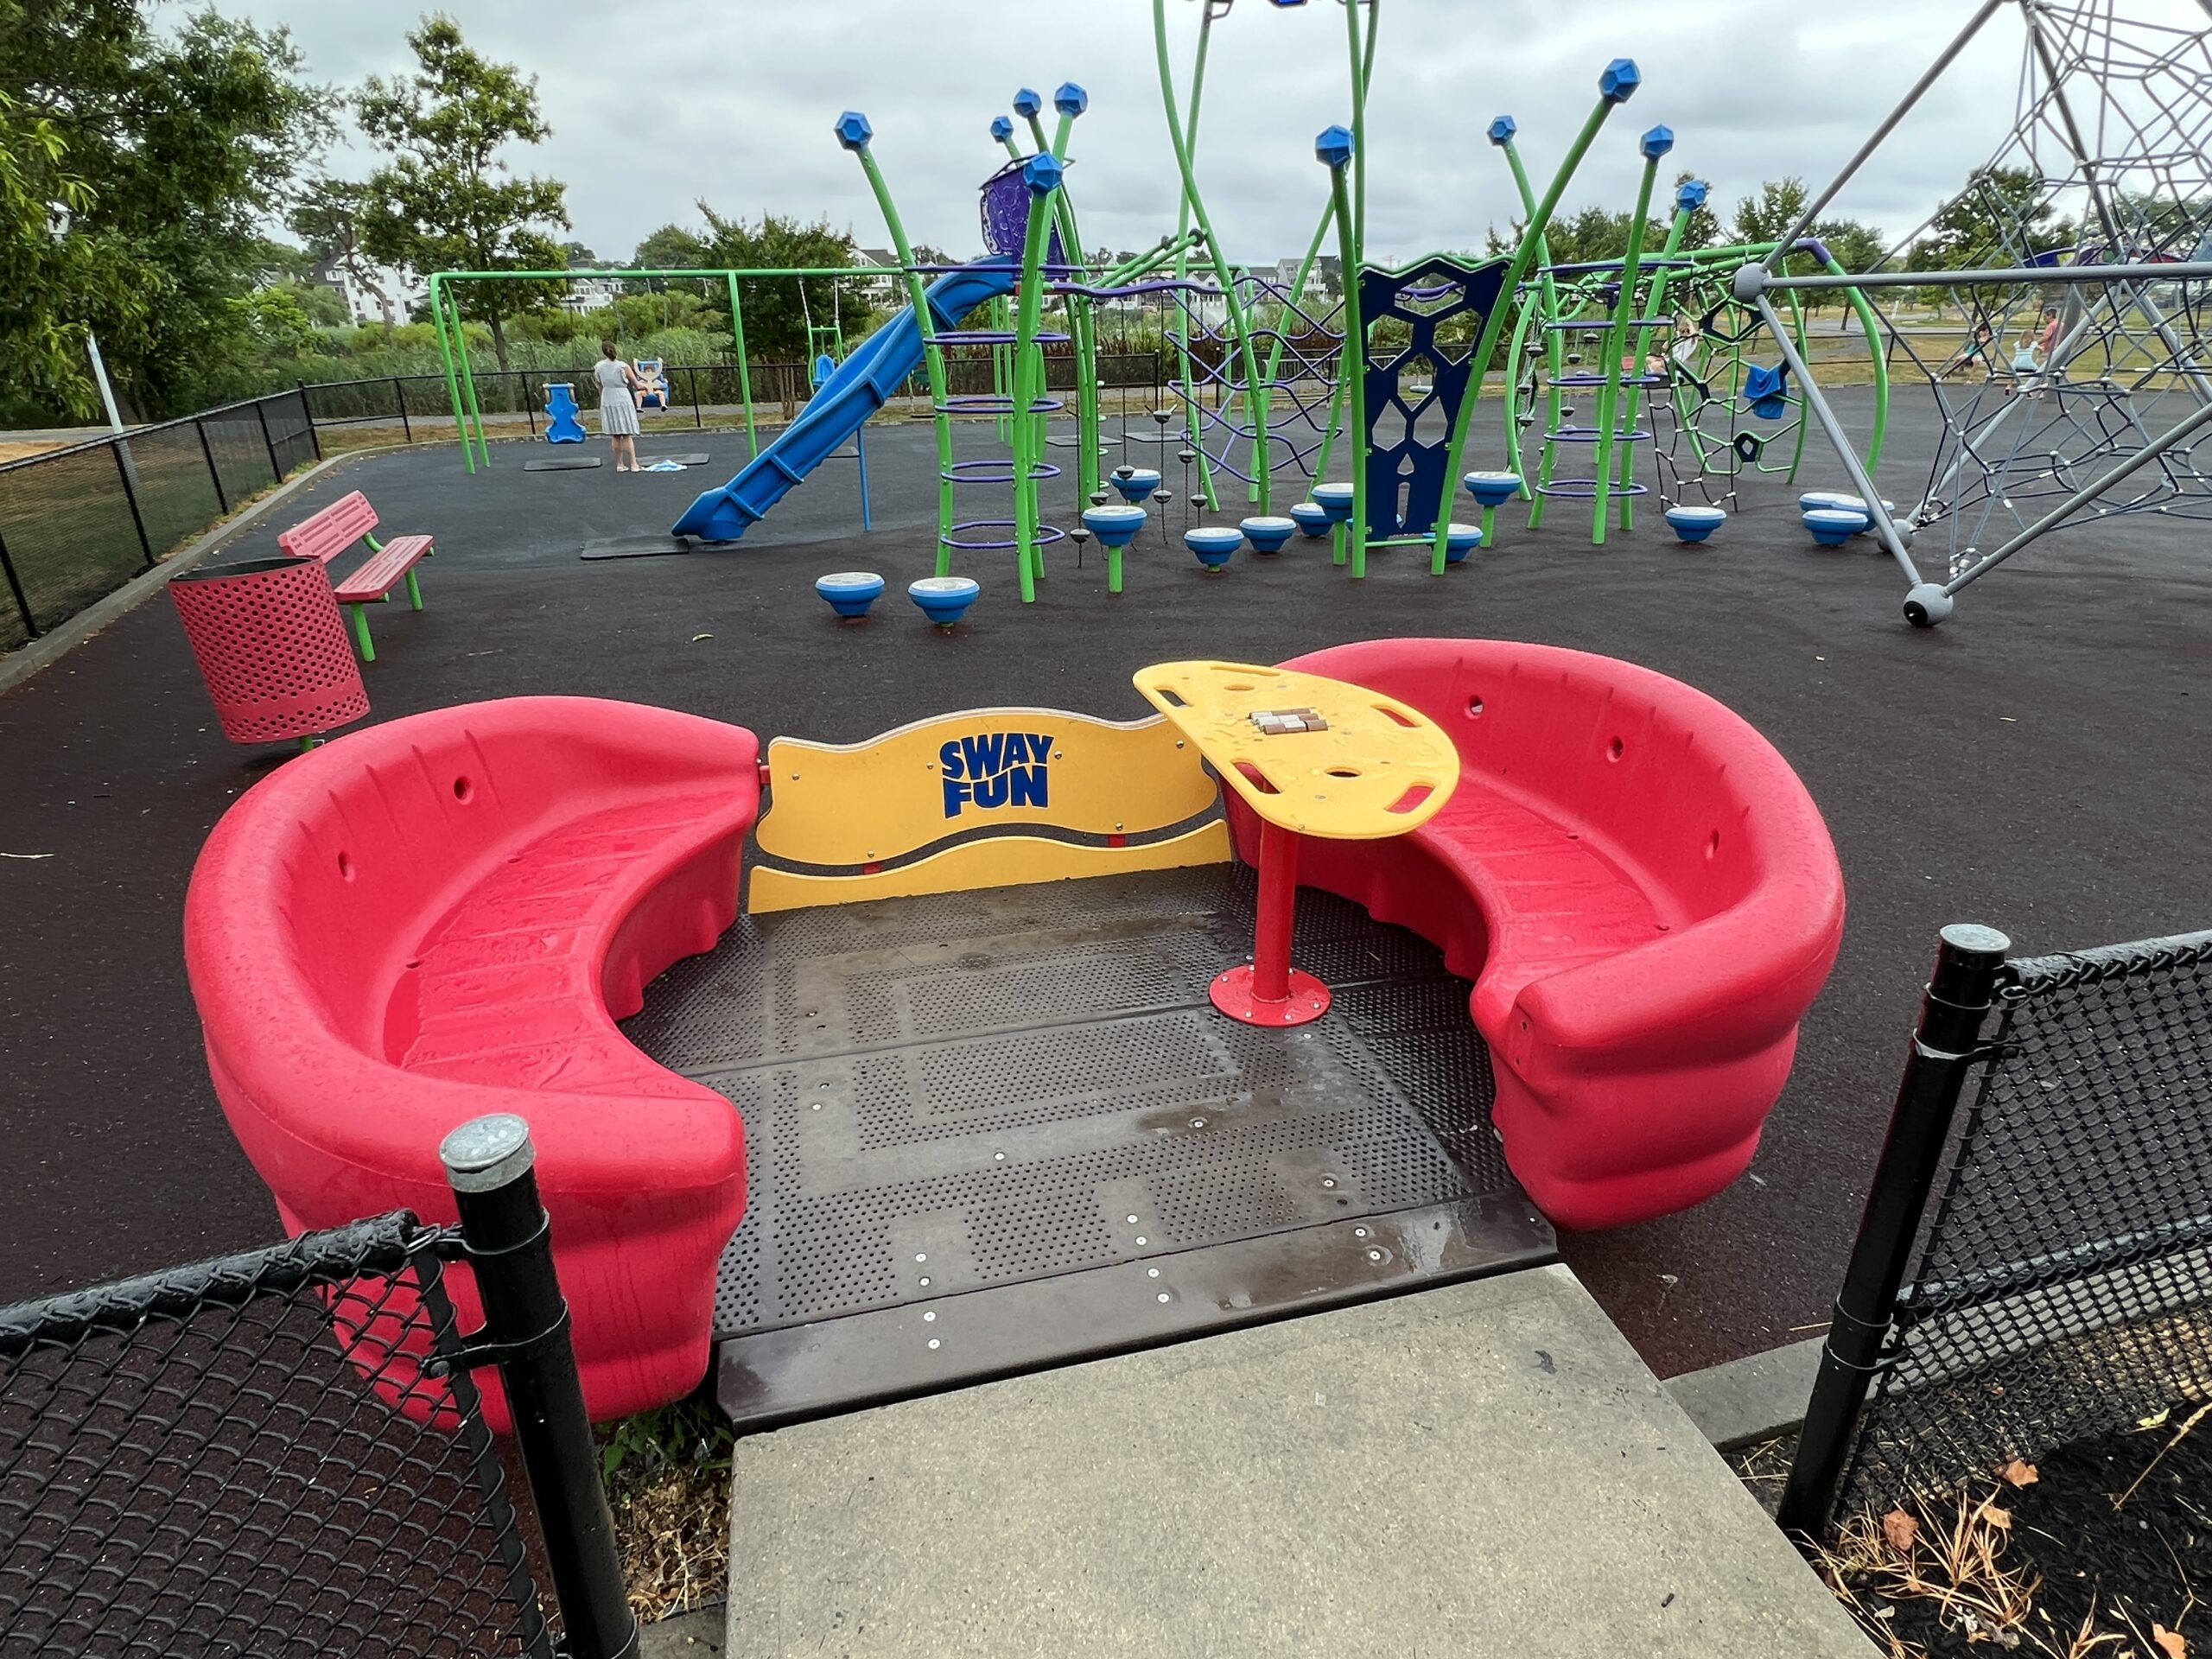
(1413, 392)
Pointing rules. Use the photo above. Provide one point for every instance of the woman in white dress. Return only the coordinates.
(618, 405)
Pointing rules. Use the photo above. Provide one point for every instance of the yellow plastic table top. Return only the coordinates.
(1361, 778)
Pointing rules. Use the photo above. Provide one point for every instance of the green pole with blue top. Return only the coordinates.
(1615, 87)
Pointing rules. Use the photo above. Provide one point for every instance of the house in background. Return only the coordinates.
(588, 292)
(401, 292)
(880, 290)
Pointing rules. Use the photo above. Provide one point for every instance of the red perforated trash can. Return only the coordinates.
(272, 648)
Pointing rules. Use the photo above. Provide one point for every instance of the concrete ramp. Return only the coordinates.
(1481, 1469)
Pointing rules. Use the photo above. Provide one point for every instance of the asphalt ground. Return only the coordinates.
(2037, 764)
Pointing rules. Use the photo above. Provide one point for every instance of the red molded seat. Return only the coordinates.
(444, 916)
(1642, 891)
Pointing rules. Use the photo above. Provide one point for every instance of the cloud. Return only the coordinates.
(734, 103)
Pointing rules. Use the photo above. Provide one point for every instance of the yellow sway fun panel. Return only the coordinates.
(979, 777)
(993, 862)
(1313, 755)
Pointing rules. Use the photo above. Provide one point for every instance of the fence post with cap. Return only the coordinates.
(1946, 1046)
(507, 1241)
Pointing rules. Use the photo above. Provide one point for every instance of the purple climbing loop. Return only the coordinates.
(1297, 428)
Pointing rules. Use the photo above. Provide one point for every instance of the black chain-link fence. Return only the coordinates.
(699, 394)
(2061, 1284)
(77, 523)
(244, 1456)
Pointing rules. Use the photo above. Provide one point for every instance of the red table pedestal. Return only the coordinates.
(1268, 991)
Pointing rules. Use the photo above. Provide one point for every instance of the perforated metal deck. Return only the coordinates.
(993, 1131)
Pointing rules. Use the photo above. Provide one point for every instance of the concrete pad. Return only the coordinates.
(1485, 1468)
(1754, 1398)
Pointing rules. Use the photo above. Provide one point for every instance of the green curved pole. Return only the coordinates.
(744, 370)
(1805, 350)
(1494, 324)
(1029, 377)
(1274, 356)
(1616, 341)
(1351, 379)
(1554, 351)
(1362, 77)
(1083, 337)
(1870, 322)
(932, 354)
(468, 377)
(1238, 324)
(1624, 471)
(452, 381)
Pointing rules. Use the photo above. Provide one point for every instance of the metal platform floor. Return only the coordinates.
(991, 1132)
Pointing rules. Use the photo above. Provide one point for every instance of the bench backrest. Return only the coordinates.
(331, 531)
(1674, 785)
(325, 873)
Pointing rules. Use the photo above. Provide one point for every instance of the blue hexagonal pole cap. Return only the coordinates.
(1042, 175)
(1332, 147)
(1001, 127)
(1655, 142)
(852, 130)
(1070, 99)
(1028, 103)
(1691, 194)
(1619, 83)
(1503, 128)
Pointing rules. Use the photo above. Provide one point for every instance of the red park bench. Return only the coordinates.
(339, 527)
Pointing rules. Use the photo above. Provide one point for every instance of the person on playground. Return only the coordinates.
(618, 405)
(1976, 350)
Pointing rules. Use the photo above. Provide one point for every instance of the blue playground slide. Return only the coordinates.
(842, 403)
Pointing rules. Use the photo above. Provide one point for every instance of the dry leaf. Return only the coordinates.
(2021, 1472)
(2000, 1519)
(2155, 1419)
(1900, 1529)
(697, 637)
(2172, 1643)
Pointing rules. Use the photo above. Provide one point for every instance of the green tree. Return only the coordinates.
(445, 199)
(1771, 214)
(1582, 237)
(327, 218)
(2001, 218)
(778, 309)
(670, 248)
(169, 150)
(41, 356)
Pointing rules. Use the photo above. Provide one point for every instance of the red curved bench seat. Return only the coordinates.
(444, 916)
(1640, 887)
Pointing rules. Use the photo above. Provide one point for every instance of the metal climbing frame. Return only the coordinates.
(2114, 120)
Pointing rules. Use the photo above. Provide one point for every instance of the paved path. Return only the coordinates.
(1486, 1469)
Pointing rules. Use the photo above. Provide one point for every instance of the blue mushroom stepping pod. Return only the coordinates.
(1116, 527)
(1812, 500)
(1459, 540)
(1336, 500)
(1311, 517)
(1834, 526)
(1213, 544)
(562, 424)
(1492, 491)
(1694, 525)
(849, 592)
(1136, 484)
(944, 600)
(1268, 534)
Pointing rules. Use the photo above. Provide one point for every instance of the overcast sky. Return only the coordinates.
(732, 101)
